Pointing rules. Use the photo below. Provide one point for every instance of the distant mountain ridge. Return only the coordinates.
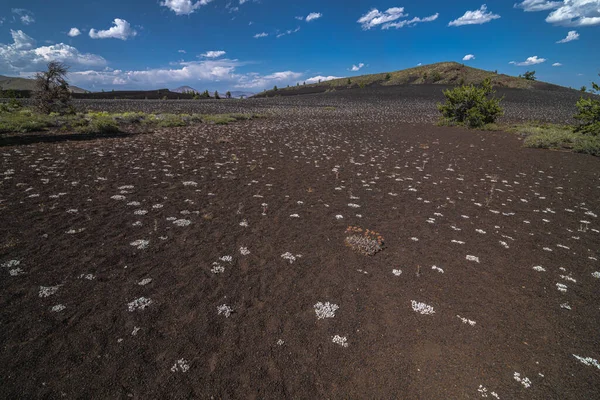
(14, 83)
(184, 89)
(444, 73)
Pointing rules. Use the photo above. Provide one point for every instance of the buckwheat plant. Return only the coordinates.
(225, 310)
(341, 340)
(368, 242)
(326, 310)
(180, 365)
(47, 291)
(422, 308)
(138, 304)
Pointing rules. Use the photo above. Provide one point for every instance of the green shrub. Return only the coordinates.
(23, 121)
(529, 75)
(473, 106)
(100, 126)
(388, 77)
(436, 77)
(588, 114)
(588, 145)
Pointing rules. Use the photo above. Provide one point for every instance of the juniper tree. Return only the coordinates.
(52, 89)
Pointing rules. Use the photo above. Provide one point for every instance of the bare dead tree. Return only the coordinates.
(52, 89)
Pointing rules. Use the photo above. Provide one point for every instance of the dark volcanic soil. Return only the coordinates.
(93, 231)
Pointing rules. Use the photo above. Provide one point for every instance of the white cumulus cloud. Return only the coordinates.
(288, 32)
(576, 13)
(74, 32)
(319, 78)
(213, 54)
(476, 17)
(530, 61)
(375, 17)
(410, 22)
(557, 65)
(261, 35)
(25, 16)
(572, 35)
(185, 7)
(538, 5)
(313, 16)
(357, 67)
(121, 30)
(256, 81)
(23, 55)
(468, 57)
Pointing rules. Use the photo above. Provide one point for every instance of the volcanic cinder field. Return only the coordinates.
(210, 261)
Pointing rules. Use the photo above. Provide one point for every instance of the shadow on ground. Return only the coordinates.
(46, 137)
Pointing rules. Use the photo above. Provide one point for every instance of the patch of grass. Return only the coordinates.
(557, 137)
(23, 121)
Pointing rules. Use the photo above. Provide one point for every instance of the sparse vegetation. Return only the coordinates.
(528, 75)
(368, 242)
(588, 114)
(557, 137)
(22, 120)
(472, 106)
(52, 90)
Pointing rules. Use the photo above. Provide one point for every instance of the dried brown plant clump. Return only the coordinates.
(365, 242)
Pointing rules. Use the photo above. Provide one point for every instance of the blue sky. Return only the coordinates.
(255, 44)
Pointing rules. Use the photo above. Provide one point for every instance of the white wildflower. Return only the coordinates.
(58, 308)
(326, 310)
(225, 310)
(523, 381)
(397, 272)
(46, 291)
(288, 256)
(180, 365)
(588, 361)
(145, 281)
(473, 258)
(226, 259)
(422, 308)
(15, 272)
(353, 205)
(244, 251)
(438, 269)
(138, 304)
(466, 321)
(182, 222)
(11, 263)
(140, 244)
(539, 268)
(561, 287)
(341, 340)
(217, 268)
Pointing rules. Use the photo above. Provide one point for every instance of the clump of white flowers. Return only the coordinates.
(140, 244)
(422, 308)
(341, 340)
(225, 310)
(138, 304)
(325, 310)
(523, 381)
(47, 291)
(180, 365)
